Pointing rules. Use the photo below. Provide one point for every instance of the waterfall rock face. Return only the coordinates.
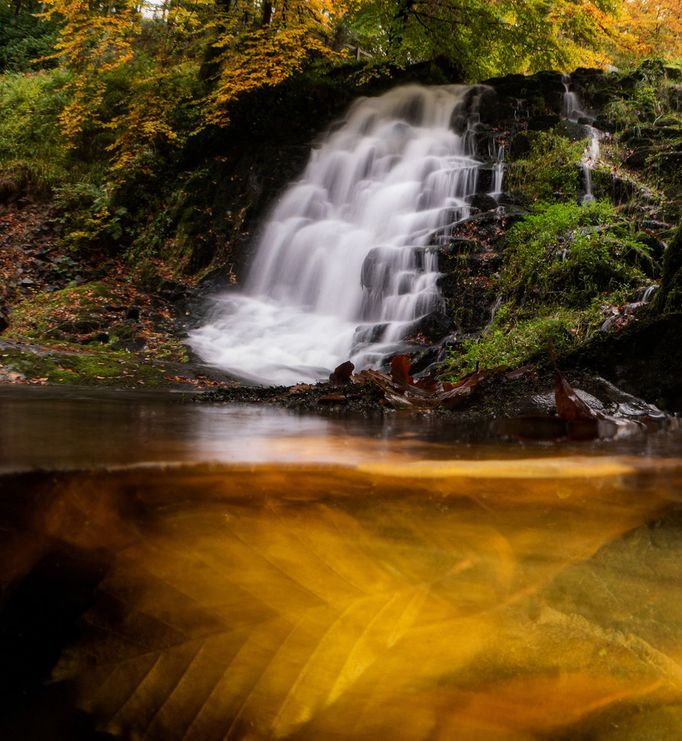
(346, 265)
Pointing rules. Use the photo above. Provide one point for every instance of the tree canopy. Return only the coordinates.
(142, 75)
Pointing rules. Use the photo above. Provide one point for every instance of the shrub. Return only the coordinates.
(31, 148)
(25, 39)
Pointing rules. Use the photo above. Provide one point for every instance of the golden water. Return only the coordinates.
(506, 599)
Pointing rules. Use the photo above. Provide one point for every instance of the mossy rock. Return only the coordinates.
(669, 297)
(644, 359)
(102, 368)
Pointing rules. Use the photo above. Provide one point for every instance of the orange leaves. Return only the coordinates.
(256, 58)
(401, 391)
(400, 370)
(342, 374)
(91, 44)
(569, 405)
(653, 28)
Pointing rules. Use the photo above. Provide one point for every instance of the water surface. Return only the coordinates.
(258, 574)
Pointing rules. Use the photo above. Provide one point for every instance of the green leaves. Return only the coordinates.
(487, 37)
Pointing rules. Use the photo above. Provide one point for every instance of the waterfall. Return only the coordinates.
(573, 112)
(498, 173)
(346, 266)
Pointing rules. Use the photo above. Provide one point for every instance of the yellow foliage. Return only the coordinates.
(259, 58)
(653, 28)
(260, 55)
(91, 43)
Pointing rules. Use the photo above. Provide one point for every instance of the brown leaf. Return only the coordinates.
(400, 370)
(569, 405)
(457, 393)
(342, 374)
(299, 388)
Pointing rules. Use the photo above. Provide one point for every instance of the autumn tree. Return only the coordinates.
(93, 41)
(146, 76)
(266, 42)
(652, 28)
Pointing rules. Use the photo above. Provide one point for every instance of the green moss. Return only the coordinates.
(513, 341)
(57, 314)
(566, 255)
(104, 368)
(549, 172)
(561, 265)
(669, 297)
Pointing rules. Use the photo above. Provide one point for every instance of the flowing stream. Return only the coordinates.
(346, 266)
(573, 112)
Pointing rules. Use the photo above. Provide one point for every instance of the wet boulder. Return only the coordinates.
(483, 202)
(432, 327)
(643, 359)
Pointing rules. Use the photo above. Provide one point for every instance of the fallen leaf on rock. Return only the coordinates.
(331, 398)
(342, 374)
(569, 405)
(524, 370)
(430, 384)
(400, 370)
(429, 394)
(299, 388)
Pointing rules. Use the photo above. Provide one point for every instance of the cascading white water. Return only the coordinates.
(344, 267)
(498, 173)
(573, 112)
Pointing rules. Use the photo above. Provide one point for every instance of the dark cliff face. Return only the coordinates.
(229, 179)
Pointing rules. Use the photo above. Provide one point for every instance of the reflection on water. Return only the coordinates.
(521, 599)
(58, 428)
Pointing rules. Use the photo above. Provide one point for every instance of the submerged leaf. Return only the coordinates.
(398, 601)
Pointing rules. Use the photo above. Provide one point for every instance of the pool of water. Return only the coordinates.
(62, 428)
(177, 571)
